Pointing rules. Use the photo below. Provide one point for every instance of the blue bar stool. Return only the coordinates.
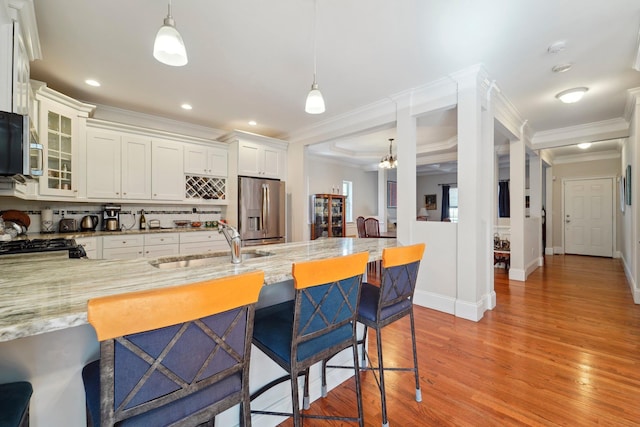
(383, 305)
(14, 404)
(320, 321)
(172, 356)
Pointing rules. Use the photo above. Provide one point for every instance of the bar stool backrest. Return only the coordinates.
(399, 275)
(326, 303)
(160, 349)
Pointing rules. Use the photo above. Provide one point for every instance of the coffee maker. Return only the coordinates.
(111, 218)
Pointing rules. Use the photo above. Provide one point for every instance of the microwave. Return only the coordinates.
(20, 153)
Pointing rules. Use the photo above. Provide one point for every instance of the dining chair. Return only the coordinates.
(172, 356)
(14, 404)
(320, 321)
(372, 227)
(384, 304)
(361, 229)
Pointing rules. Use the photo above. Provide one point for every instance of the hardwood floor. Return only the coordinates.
(562, 349)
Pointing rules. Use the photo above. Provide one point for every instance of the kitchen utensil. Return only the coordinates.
(89, 223)
(112, 224)
(11, 225)
(17, 216)
(181, 222)
(46, 221)
(196, 224)
(67, 225)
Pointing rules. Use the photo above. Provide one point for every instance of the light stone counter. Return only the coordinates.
(49, 292)
(45, 338)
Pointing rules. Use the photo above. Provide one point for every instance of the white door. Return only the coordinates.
(588, 217)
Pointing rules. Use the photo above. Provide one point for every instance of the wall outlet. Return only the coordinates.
(63, 212)
(194, 210)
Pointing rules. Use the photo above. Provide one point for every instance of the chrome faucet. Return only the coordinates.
(233, 238)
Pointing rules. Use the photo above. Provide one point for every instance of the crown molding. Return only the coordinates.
(589, 132)
(587, 157)
(633, 97)
(26, 16)
(42, 90)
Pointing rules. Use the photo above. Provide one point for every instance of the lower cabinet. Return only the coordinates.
(163, 244)
(91, 246)
(154, 245)
(123, 246)
(197, 242)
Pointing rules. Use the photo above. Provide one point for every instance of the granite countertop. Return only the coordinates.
(46, 292)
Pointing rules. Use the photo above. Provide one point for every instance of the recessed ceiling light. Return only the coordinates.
(584, 145)
(92, 82)
(557, 47)
(561, 68)
(252, 123)
(186, 107)
(570, 96)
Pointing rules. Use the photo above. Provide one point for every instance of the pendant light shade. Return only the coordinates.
(169, 47)
(315, 101)
(389, 161)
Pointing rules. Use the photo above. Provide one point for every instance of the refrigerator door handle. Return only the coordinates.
(265, 207)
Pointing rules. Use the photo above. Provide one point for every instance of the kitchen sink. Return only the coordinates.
(205, 259)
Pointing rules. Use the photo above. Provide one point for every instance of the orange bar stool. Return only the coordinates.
(320, 321)
(172, 356)
(383, 305)
(14, 404)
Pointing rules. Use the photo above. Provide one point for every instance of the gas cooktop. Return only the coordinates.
(42, 245)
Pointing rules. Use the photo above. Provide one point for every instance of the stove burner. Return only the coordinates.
(39, 245)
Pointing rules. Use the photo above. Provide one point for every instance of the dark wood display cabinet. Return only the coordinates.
(328, 216)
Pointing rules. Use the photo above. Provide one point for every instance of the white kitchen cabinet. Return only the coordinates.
(91, 246)
(198, 242)
(118, 166)
(260, 160)
(123, 246)
(207, 161)
(104, 152)
(167, 170)
(62, 127)
(161, 244)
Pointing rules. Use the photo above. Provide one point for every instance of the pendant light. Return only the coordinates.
(169, 47)
(315, 101)
(388, 161)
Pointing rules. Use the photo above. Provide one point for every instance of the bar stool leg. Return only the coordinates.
(295, 409)
(306, 403)
(356, 371)
(383, 398)
(324, 378)
(415, 358)
(364, 347)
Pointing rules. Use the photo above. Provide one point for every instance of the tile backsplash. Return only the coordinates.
(129, 215)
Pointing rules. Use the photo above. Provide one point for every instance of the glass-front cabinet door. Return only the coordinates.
(59, 152)
(58, 133)
(328, 216)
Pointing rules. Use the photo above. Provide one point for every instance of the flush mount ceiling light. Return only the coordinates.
(388, 161)
(186, 107)
(92, 82)
(584, 145)
(169, 47)
(570, 96)
(315, 101)
(561, 68)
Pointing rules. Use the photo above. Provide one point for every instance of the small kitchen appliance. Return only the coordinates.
(20, 154)
(89, 223)
(111, 218)
(68, 225)
(46, 221)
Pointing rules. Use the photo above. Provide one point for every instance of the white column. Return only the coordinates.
(406, 172)
(475, 191)
(297, 194)
(517, 163)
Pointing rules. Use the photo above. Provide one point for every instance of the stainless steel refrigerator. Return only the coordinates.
(261, 211)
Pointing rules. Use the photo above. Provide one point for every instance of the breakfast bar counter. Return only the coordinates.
(44, 335)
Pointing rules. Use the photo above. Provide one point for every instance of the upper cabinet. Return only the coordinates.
(118, 166)
(167, 171)
(258, 156)
(62, 127)
(19, 44)
(207, 161)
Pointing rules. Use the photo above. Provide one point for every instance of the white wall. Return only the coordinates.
(323, 174)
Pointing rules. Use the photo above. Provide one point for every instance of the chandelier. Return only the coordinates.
(389, 161)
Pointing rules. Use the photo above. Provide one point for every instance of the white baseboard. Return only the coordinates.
(434, 301)
(558, 250)
(633, 286)
(517, 274)
(548, 251)
(470, 311)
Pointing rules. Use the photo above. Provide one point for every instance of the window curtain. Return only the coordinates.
(444, 214)
(504, 202)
